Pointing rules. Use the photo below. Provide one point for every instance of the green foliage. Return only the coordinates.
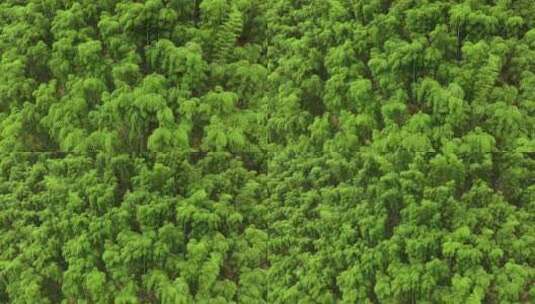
(282, 151)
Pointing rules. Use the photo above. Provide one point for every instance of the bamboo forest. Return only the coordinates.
(267, 151)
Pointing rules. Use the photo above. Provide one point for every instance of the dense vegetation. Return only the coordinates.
(254, 151)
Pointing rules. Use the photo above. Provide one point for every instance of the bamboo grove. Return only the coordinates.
(254, 151)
